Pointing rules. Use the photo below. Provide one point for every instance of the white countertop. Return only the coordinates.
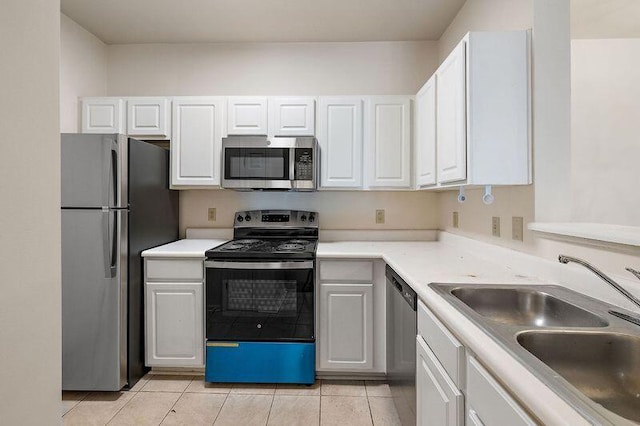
(183, 248)
(454, 260)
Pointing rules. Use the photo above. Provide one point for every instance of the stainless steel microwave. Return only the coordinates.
(256, 162)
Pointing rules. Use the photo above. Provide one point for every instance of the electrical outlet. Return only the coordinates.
(379, 216)
(495, 226)
(517, 223)
(455, 219)
(212, 214)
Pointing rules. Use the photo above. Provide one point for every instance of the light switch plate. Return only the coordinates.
(455, 219)
(495, 226)
(212, 214)
(379, 216)
(517, 230)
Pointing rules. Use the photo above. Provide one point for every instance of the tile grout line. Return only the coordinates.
(366, 392)
(120, 409)
(220, 410)
(270, 407)
(76, 404)
(174, 404)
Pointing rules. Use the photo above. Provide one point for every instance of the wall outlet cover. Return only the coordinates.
(495, 226)
(379, 216)
(517, 228)
(455, 219)
(212, 214)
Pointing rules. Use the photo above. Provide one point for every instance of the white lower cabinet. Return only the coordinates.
(439, 401)
(351, 314)
(174, 314)
(488, 403)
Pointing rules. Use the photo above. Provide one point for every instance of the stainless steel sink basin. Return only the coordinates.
(603, 366)
(570, 341)
(525, 307)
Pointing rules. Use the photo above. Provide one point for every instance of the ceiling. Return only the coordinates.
(605, 18)
(202, 21)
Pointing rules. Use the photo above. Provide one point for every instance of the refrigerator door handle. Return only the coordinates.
(109, 240)
(110, 173)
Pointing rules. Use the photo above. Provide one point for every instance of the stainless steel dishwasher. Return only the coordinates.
(401, 346)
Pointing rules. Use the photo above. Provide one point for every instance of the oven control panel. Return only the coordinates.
(276, 218)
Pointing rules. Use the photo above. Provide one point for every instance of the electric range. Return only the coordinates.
(260, 299)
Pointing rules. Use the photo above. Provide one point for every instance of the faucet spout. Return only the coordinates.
(566, 259)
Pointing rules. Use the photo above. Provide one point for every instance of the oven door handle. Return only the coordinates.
(258, 265)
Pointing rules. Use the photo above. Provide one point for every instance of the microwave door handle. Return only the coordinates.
(292, 164)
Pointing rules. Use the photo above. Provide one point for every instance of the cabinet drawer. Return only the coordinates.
(488, 402)
(346, 270)
(174, 269)
(448, 350)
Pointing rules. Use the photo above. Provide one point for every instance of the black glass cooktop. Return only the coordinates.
(260, 248)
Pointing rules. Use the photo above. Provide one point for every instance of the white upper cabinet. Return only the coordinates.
(102, 115)
(247, 115)
(196, 141)
(425, 135)
(388, 142)
(149, 117)
(483, 114)
(292, 116)
(451, 117)
(340, 141)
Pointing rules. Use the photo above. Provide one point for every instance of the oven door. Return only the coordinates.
(260, 301)
(260, 167)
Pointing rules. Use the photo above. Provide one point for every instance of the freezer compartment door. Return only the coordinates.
(94, 300)
(94, 172)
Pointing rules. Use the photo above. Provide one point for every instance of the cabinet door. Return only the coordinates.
(196, 141)
(346, 332)
(340, 141)
(174, 324)
(439, 401)
(292, 116)
(388, 142)
(102, 115)
(247, 115)
(488, 402)
(425, 135)
(451, 117)
(148, 117)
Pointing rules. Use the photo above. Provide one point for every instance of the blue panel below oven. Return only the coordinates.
(260, 362)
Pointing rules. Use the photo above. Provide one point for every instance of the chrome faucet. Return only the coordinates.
(566, 259)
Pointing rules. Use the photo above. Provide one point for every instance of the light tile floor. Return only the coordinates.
(188, 400)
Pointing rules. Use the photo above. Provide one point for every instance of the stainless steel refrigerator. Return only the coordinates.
(116, 203)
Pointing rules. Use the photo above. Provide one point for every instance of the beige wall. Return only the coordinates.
(83, 70)
(30, 336)
(284, 69)
(605, 104)
(270, 68)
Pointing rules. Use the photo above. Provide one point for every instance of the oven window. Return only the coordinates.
(260, 305)
(256, 163)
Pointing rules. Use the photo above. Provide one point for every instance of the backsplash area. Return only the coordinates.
(337, 209)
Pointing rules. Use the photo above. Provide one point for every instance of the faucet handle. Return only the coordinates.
(634, 272)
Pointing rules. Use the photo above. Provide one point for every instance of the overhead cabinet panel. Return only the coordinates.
(340, 141)
(292, 116)
(247, 116)
(148, 117)
(102, 115)
(388, 142)
(425, 135)
(197, 141)
(451, 117)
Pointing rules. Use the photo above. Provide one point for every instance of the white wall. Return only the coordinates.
(270, 68)
(284, 69)
(30, 336)
(605, 129)
(83, 70)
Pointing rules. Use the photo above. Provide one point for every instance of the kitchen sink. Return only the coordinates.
(526, 307)
(570, 341)
(603, 366)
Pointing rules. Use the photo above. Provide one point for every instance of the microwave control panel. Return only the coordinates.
(303, 164)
